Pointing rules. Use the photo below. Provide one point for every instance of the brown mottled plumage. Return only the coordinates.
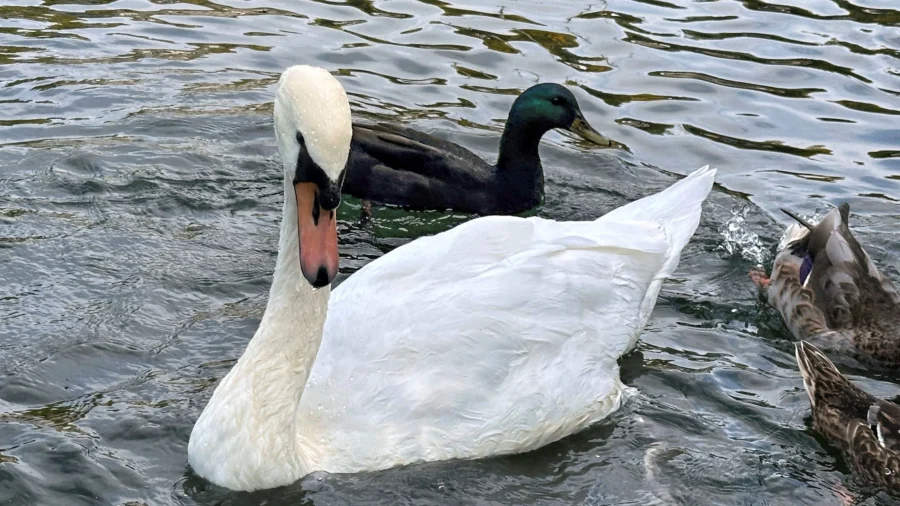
(866, 429)
(844, 303)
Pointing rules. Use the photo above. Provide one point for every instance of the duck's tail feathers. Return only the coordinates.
(830, 237)
(856, 283)
(792, 234)
(835, 223)
(799, 219)
(819, 233)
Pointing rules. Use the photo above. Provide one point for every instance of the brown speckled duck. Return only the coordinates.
(829, 291)
(866, 429)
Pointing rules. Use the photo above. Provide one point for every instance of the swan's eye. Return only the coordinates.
(300, 138)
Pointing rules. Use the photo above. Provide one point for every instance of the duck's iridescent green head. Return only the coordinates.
(546, 106)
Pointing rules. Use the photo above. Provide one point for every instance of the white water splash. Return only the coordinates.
(740, 239)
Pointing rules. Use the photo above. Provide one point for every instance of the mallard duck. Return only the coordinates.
(391, 164)
(829, 291)
(864, 428)
(495, 337)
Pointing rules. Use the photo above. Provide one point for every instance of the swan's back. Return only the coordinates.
(498, 336)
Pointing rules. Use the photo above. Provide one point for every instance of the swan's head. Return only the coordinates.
(313, 131)
(547, 106)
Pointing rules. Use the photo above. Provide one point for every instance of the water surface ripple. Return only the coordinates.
(140, 198)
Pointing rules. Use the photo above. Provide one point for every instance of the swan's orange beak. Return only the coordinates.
(317, 228)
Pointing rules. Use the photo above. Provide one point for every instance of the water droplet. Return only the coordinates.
(740, 239)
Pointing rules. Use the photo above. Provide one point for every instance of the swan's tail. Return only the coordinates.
(677, 211)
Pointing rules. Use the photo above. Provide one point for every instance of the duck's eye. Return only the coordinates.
(557, 101)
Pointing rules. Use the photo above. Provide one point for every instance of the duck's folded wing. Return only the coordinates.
(871, 457)
(405, 149)
(837, 274)
(884, 417)
(848, 287)
(390, 131)
(795, 302)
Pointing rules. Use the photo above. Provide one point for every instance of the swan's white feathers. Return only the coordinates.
(677, 210)
(313, 102)
(498, 336)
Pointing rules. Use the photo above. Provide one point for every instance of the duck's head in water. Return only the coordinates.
(313, 131)
(546, 106)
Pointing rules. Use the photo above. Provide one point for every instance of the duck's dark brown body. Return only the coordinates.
(864, 428)
(400, 166)
(391, 164)
(846, 304)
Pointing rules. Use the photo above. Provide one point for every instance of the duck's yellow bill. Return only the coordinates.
(584, 130)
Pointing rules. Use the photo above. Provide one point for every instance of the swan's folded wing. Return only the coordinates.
(677, 211)
(484, 334)
(566, 276)
(495, 245)
(500, 335)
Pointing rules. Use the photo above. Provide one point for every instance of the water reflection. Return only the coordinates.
(140, 199)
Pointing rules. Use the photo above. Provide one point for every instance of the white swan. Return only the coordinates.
(498, 336)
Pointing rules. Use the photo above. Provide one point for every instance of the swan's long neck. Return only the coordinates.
(247, 437)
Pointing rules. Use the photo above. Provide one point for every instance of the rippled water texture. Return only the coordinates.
(140, 197)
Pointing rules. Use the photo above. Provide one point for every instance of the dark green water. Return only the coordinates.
(140, 197)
